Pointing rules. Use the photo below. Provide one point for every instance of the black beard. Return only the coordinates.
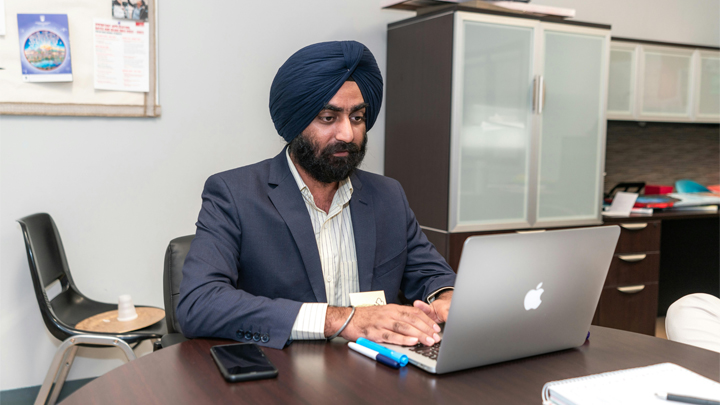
(321, 164)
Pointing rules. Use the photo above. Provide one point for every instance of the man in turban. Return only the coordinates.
(281, 244)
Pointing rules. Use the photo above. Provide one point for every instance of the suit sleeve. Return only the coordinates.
(426, 271)
(212, 304)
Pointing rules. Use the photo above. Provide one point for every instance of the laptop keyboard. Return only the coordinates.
(430, 352)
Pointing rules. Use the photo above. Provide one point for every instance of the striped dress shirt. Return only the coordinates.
(336, 245)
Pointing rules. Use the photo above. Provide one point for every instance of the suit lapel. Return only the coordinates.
(288, 200)
(363, 219)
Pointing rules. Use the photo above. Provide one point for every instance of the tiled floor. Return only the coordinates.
(26, 396)
(660, 328)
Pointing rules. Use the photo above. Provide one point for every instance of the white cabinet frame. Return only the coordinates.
(698, 84)
(457, 120)
(692, 112)
(596, 218)
(634, 50)
(685, 116)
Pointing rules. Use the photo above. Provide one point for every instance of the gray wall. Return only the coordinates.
(120, 189)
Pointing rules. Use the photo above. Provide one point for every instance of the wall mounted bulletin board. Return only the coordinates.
(78, 97)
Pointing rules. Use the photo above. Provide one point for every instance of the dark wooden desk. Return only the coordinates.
(682, 251)
(682, 257)
(329, 373)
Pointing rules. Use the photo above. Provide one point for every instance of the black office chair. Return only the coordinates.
(172, 276)
(48, 265)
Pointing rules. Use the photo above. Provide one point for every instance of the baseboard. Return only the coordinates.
(27, 395)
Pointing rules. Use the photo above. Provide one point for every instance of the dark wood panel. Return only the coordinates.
(321, 373)
(418, 113)
(639, 241)
(624, 273)
(658, 43)
(440, 240)
(432, 12)
(663, 215)
(690, 260)
(631, 312)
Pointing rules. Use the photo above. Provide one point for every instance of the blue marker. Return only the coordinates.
(400, 358)
(374, 355)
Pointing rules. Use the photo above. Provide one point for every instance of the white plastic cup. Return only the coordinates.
(126, 309)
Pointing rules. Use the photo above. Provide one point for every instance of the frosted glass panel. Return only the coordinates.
(666, 84)
(709, 86)
(620, 90)
(571, 130)
(496, 124)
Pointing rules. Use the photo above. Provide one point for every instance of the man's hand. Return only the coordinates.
(396, 324)
(438, 309)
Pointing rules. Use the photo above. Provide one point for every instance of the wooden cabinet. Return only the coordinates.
(497, 122)
(630, 297)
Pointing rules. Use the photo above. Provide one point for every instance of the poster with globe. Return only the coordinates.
(44, 47)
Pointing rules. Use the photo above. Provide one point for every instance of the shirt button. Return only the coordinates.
(265, 338)
(256, 337)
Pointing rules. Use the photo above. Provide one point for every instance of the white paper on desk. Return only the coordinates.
(622, 204)
(122, 55)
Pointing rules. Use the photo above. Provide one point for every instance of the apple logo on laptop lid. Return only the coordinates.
(532, 298)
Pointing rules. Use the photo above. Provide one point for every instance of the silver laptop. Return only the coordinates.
(519, 295)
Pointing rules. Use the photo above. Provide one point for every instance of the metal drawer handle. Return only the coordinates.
(632, 289)
(532, 231)
(634, 227)
(632, 258)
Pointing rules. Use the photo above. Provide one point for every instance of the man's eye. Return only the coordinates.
(325, 118)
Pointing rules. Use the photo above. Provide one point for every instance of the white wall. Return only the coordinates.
(120, 189)
(682, 21)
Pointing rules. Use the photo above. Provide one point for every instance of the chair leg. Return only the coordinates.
(64, 369)
(63, 357)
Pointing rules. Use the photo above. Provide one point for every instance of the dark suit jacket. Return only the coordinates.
(254, 259)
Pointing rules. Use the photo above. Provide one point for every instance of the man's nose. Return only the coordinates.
(344, 130)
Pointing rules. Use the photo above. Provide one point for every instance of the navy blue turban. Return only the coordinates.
(307, 81)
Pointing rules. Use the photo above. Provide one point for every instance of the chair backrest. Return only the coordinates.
(172, 276)
(47, 262)
(695, 320)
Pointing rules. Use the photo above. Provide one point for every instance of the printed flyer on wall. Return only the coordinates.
(122, 55)
(44, 47)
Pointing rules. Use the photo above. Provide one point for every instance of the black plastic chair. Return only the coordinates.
(172, 276)
(48, 264)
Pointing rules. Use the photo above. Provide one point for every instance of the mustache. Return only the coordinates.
(341, 146)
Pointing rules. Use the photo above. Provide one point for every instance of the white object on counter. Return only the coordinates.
(126, 309)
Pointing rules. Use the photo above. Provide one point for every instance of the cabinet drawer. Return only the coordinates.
(639, 237)
(634, 312)
(630, 269)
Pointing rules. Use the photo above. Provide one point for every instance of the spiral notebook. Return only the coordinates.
(636, 386)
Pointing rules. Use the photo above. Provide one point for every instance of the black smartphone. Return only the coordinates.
(242, 362)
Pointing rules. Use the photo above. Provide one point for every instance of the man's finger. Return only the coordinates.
(394, 338)
(429, 310)
(418, 319)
